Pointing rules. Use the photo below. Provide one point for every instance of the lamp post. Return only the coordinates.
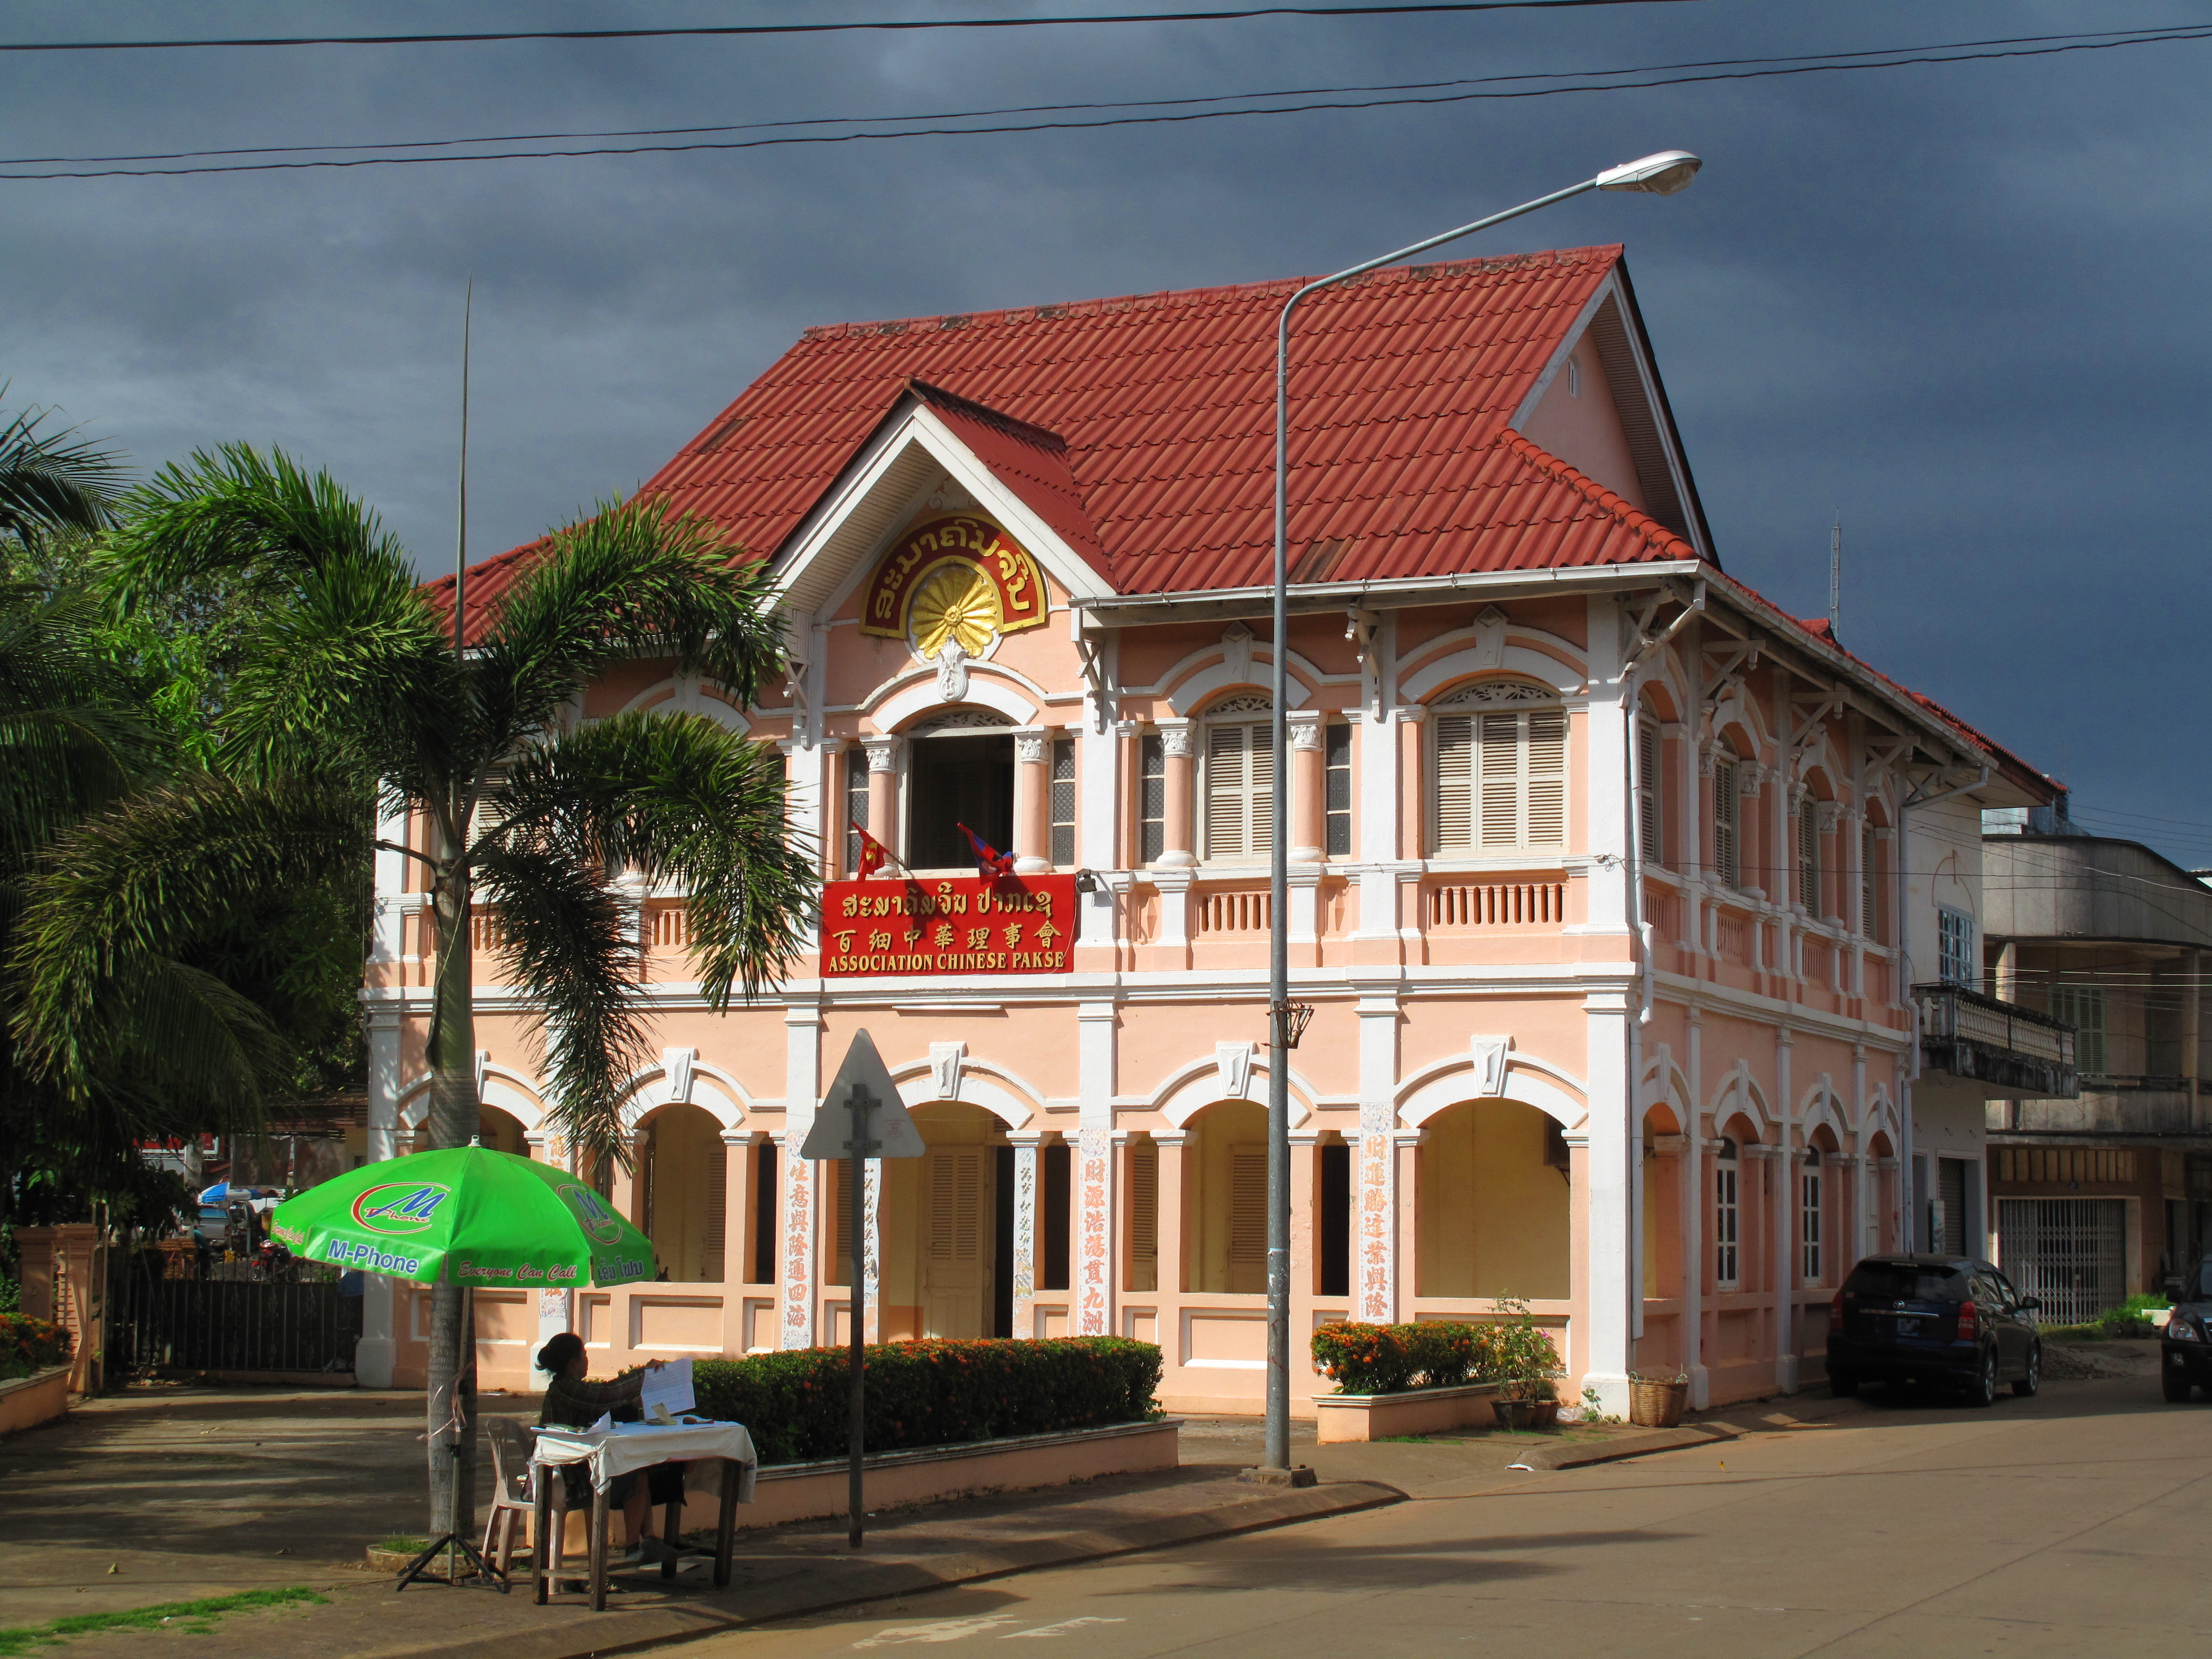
(1662, 174)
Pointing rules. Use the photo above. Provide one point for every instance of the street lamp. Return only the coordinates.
(1661, 175)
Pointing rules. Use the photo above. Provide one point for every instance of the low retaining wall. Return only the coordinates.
(1341, 1417)
(33, 1399)
(929, 1474)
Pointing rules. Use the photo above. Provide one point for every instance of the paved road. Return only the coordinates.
(2077, 1524)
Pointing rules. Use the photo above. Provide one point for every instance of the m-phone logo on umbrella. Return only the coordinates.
(400, 1207)
(590, 1209)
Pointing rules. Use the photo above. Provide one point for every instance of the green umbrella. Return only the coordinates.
(468, 1215)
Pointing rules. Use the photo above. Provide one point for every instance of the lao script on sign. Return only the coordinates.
(964, 924)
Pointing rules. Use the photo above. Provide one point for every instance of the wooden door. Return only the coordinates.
(956, 1275)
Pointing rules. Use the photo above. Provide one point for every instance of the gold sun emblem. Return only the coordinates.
(957, 603)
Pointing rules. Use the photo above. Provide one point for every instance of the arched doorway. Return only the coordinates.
(1226, 1189)
(682, 1191)
(1495, 1204)
(501, 1132)
(945, 1229)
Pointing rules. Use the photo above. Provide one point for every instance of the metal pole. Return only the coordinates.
(856, 1270)
(1277, 1455)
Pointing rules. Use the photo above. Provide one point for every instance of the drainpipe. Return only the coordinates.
(1908, 1194)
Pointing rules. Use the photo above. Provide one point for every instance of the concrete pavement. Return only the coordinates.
(2073, 1524)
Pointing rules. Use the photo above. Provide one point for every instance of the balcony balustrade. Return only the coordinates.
(2016, 1053)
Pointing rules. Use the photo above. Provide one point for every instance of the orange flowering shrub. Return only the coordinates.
(1392, 1358)
(29, 1344)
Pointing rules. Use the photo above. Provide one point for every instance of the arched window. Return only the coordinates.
(1239, 801)
(1499, 760)
(1650, 789)
(1809, 1218)
(1725, 1262)
(1727, 846)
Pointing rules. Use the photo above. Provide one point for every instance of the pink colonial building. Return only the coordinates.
(1594, 883)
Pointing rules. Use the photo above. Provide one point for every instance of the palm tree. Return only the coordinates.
(354, 698)
(52, 481)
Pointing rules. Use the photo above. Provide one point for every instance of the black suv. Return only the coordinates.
(2185, 1346)
(1942, 1319)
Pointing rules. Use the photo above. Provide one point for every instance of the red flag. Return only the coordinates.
(873, 854)
(988, 864)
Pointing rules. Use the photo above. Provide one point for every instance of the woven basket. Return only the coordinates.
(1657, 1405)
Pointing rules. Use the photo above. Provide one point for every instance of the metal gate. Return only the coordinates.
(233, 1322)
(2072, 1253)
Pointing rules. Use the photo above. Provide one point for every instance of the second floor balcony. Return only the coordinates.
(2013, 1053)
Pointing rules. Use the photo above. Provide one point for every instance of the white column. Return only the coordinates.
(796, 1224)
(377, 1351)
(1785, 1212)
(1025, 1234)
(1610, 1213)
(1605, 773)
(556, 1310)
(1374, 1236)
(804, 792)
(1377, 788)
(1091, 1289)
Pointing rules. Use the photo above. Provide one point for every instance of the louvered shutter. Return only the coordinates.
(1647, 791)
(1248, 1217)
(1456, 784)
(1239, 789)
(1144, 1217)
(487, 815)
(1544, 758)
(1809, 856)
(955, 1206)
(1867, 917)
(714, 1228)
(1724, 805)
(1500, 762)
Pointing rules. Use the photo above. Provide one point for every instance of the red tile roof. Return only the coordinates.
(1141, 429)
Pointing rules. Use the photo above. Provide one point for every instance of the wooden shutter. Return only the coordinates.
(1500, 766)
(1647, 791)
(1808, 855)
(713, 1230)
(1248, 1217)
(1144, 1217)
(1456, 786)
(955, 1206)
(1545, 760)
(1240, 792)
(1867, 917)
(487, 815)
(1724, 805)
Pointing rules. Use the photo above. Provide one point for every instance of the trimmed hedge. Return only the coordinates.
(932, 1393)
(1433, 1353)
(29, 1344)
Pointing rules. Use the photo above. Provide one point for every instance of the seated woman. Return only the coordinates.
(573, 1402)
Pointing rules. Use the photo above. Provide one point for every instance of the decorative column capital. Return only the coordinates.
(1175, 736)
(883, 752)
(1029, 745)
(1410, 713)
(1305, 727)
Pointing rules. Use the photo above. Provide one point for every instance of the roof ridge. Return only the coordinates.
(1052, 311)
(1634, 516)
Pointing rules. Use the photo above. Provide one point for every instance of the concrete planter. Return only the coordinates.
(33, 1399)
(929, 1474)
(1341, 1417)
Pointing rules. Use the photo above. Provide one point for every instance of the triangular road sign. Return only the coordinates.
(888, 1126)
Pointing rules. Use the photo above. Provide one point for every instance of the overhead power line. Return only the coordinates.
(2115, 36)
(899, 26)
(1897, 57)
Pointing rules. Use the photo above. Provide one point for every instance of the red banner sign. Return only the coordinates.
(957, 925)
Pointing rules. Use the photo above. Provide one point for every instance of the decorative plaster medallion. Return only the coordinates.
(1232, 1065)
(944, 1063)
(1489, 1061)
(678, 1064)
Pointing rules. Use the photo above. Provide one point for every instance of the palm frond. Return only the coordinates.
(634, 578)
(572, 945)
(48, 481)
(103, 953)
(684, 801)
(236, 509)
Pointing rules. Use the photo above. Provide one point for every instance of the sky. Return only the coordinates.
(1962, 305)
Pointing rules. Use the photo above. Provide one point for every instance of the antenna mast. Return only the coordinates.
(1835, 575)
(461, 537)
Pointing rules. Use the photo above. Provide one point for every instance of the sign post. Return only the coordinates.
(861, 1117)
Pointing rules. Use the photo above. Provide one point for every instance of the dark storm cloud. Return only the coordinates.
(1961, 303)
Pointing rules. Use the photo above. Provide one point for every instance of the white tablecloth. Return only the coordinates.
(628, 1446)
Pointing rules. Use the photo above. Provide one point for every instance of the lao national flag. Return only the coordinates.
(873, 854)
(988, 864)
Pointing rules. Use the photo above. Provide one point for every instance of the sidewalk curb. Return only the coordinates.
(1704, 1431)
(855, 1582)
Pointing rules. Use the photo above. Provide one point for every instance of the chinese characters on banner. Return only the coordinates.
(960, 925)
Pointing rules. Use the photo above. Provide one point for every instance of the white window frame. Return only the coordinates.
(1517, 802)
(1809, 1217)
(1254, 792)
(1651, 795)
(1060, 786)
(1728, 1216)
(1808, 855)
(1955, 948)
(1869, 881)
(1152, 798)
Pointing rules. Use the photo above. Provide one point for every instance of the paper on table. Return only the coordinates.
(667, 1391)
(606, 1421)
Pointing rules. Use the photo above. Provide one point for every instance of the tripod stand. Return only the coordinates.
(464, 1424)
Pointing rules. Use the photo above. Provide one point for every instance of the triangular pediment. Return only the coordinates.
(1622, 436)
(936, 446)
